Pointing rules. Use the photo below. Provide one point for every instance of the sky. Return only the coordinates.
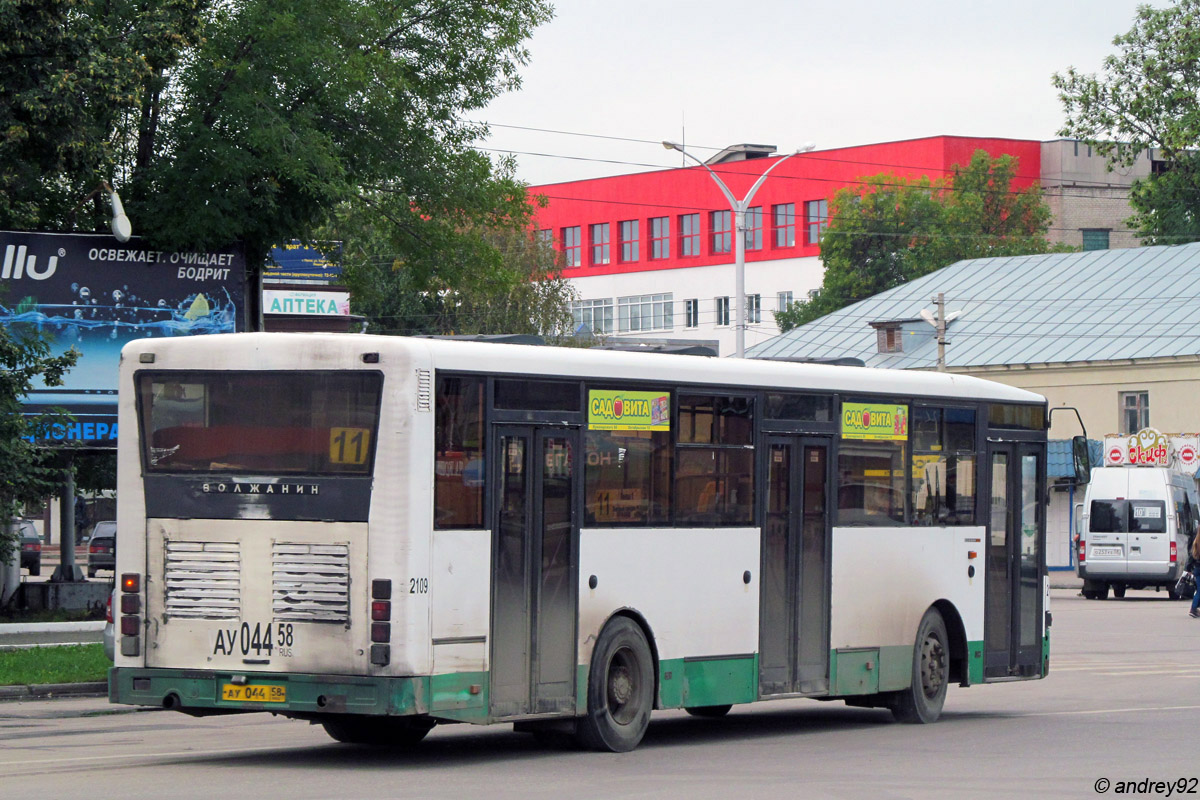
(786, 73)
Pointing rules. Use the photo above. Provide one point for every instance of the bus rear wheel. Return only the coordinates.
(378, 731)
(620, 692)
(921, 702)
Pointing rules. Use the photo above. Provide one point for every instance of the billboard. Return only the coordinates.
(295, 262)
(90, 292)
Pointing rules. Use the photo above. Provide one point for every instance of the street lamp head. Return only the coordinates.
(672, 146)
(121, 227)
(807, 146)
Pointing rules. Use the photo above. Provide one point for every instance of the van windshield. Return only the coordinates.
(1147, 516)
(1108, 516)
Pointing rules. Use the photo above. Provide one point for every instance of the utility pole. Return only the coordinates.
(940, 301)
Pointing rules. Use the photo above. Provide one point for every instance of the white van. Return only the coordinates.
(1134, 528)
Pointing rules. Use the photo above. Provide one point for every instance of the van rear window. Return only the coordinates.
(1147, 516)
(1108, 516)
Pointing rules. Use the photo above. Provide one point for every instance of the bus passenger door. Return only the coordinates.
(794, 599)
(1015, 557)
(534, 542)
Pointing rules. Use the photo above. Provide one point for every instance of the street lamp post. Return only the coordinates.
(738, 207)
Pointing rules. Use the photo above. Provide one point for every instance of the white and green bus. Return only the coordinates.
(382, 534)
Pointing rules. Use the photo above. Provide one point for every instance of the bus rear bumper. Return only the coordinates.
(203, 692)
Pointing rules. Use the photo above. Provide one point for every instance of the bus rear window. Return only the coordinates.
(310, 423)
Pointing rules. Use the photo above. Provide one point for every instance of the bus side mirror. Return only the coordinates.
(1082, 460)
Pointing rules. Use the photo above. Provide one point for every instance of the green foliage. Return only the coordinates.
(889, 230)
(80, 663)
(516, 289)
(259, 121)
(1147, 96)
(72, 74)
(28, 473)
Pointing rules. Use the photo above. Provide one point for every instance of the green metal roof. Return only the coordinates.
(1101, 305)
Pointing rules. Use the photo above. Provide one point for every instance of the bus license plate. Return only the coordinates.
(1106, 552)
(250, 693)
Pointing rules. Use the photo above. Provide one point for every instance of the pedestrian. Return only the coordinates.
(1195, 567)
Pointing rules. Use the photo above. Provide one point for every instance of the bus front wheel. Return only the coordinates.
(620, 692)
(379, 731)
(922, 701)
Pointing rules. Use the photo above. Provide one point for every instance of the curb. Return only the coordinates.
(15, 628)
(49, 690)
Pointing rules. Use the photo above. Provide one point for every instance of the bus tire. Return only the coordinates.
(620, 691)
(922, 701)
(1118, 590)
(378, 731)
(708, 712)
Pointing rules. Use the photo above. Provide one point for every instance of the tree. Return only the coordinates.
(889, 230)
(518, 290)
(256, 121)
(1147, 96)
(28, 472)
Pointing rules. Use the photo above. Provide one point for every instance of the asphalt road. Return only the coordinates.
(1120, 705)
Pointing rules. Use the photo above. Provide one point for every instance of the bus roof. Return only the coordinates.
(336, 351)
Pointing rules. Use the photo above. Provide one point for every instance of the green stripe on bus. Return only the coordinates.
(689, 683)
(461, 696)
(975, 662)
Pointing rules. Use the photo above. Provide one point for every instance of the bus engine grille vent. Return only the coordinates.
(424, 390)
(203, 580)
(311, 582)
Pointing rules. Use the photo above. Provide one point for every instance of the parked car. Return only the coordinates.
(31, 546)
(102, 549)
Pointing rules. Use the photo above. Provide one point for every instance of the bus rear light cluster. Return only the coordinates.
(381, 626)
(1174, 552)
(1082, 551)
(131, 608)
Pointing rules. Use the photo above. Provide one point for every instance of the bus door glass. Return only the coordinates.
(1015, 558)
(794, 618)
(533, 575)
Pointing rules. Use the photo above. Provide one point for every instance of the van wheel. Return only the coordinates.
(620, 692)
(922, 701)
(1119, 590)
(1171, 593)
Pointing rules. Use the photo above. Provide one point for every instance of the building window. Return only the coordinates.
(647, 312)
(660, 237)
(599, 244)
(753, 308)
(689, 234)
(783, 300)
(816, 215)
(572, 242)
(889, 339)
(691, 313)
(785, 224)
(1135, 411)
(545, 236)
(629, 241)
(722, 304)
(1095, 238)
(722, 231)
(595, 315)
(754, 238)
